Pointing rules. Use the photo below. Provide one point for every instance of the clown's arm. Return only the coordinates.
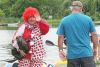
(19, 32)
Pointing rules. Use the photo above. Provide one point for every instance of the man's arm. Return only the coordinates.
(94, 39)
(60, 42)
(62, 54)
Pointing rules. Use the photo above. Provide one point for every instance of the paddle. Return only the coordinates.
(50, 43)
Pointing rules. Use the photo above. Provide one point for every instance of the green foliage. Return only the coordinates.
(19, 6)
(5, 5)
(54, 22)
(92, 8)
(98, 63)
(55, 8)
(2, 14)
(15, 9)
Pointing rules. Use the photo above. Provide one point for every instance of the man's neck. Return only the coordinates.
(74, 11)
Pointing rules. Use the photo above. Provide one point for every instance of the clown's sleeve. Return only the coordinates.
(18, 33)
(44, 26)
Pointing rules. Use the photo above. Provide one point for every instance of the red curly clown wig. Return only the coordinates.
(29, 12)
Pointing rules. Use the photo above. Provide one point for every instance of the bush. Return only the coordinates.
(54, 22)
(2, 14)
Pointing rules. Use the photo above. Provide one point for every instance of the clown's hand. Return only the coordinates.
(38, 18)
(22, 52)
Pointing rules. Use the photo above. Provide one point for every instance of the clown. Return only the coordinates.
(31, 30)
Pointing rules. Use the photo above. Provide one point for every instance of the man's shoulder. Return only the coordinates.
(86, 16)
(66, 17)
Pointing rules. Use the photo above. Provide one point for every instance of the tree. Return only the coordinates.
(55, 8)
(2, 14)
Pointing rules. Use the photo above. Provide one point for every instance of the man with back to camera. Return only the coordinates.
(77, 29)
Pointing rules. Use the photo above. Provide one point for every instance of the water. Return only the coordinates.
(52, 51)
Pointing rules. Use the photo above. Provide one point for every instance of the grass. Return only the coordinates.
(98, 63)
(9, 20)
(7, 28)
(55, 22)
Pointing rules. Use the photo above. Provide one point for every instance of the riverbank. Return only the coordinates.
(11, 20)
(52, 23)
